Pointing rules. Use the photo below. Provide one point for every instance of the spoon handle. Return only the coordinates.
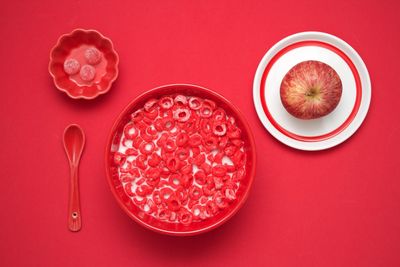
(74, 206)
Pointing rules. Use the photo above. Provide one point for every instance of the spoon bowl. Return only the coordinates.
(74, 141)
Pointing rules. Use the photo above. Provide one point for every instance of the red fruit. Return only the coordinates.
(87, 73)
(71, 66)
(92, 55)
(311, 90)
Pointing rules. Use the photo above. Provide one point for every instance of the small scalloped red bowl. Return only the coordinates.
(72, 45)
(172, 228)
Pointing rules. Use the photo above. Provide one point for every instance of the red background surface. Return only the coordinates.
(339, 207)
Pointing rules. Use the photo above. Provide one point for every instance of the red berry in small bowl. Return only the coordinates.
(92, 55)
(71, 66)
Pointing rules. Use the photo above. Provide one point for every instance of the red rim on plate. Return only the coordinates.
(349, 119)
(167, 227)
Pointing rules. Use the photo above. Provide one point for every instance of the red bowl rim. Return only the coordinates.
(112, 50)
(239, 115)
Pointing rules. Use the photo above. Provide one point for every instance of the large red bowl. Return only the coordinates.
(173, 228)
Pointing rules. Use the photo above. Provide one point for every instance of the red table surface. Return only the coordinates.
(339, 207)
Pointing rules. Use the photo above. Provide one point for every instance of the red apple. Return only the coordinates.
(310, 90)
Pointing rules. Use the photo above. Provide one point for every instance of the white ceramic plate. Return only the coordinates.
(324, 132)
